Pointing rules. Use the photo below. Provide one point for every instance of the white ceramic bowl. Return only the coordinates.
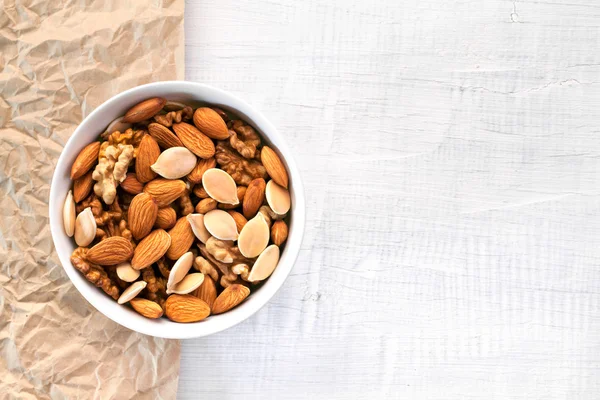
(88, 131)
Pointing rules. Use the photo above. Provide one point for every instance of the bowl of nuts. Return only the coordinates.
(176, 209)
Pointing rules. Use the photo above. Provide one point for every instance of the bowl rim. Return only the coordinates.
(260, 297)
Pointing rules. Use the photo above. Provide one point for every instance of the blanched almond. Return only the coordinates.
(180, 269)
(188, 284)
(254, 237)
(174, 163)
(131, 292)
(85, 228)
(221, 225)
(197, 223)
(220, 186)
(265, 264)
(69, 215)
(278, 198)
(126, 273)
(117, 125)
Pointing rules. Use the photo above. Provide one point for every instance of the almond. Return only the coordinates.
(239, 219)
(210, 123)
(163, 136)
(197, 142)
(132, 291)
(279, 232)
(227, 207)
(229, 298)
(200, 192)
(254, 197)
(165, 218)
(69, 215)
(274, 166)
(87, 158)
(141, 215)
(221, 113)
(186, 308)
(131, 185)
(207, 291)
(165, 191)
(144, 110)
(265, 264)
(147, 154)
(111, 251)
(151, 249)
(83, 186)
(147, 308)
(182, 238)
(206, 205)
(201, 167)
(174, 106)
(241, 192)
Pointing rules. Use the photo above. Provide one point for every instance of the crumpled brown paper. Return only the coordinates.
(59, 60)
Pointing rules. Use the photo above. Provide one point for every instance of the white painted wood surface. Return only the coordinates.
(451, 156)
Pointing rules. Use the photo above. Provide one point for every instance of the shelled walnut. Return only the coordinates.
(244, 139)
(242, 171)
(111, 169)
(176, 117)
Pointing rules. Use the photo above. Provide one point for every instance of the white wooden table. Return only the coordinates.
(451, 156)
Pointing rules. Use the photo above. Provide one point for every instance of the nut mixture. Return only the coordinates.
(177, 211)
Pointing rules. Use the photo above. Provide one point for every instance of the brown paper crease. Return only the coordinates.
(59, 60)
